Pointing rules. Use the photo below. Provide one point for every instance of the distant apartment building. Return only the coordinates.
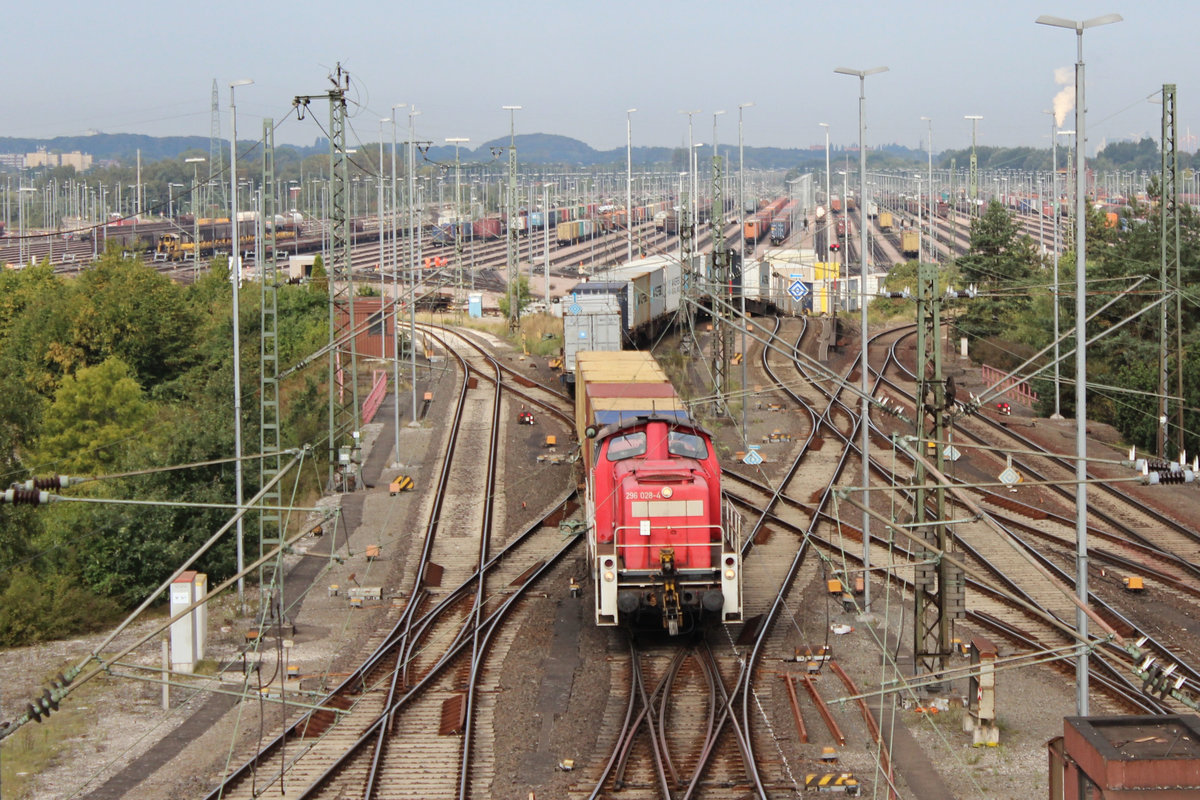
(12, 160)
(80, 161)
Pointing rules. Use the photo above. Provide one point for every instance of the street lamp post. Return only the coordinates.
(395, 300)
(379, 195)
(974, 176)
(628, 179)
(514, 269)
(195, 214)
(235, 278)
(1081, 557)
(457, 141)
(1054, 211)
(742, 258)
(828, 202)
(863, 202)
(931, 249)
(920, 222)
(414, 233)
(171, 198)
(21, 192)
(692, 189)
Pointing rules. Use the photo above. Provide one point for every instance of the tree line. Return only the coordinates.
(120, 371)
(1012, 319)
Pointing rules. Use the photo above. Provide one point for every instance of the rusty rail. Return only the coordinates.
(872, 726)
(826, 714)
(790, 681)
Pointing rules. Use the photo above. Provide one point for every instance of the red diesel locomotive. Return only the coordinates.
(664, 547)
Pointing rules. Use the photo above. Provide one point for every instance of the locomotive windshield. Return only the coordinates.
(627, 446)
(686, 445)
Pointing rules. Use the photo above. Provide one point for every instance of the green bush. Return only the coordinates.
(36, 608)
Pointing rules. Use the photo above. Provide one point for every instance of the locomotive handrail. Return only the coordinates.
(637, 529)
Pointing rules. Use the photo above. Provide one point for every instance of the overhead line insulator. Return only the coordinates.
(25, 497)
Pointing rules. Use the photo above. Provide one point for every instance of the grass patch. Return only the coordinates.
(206, 666)
(543, 334)
(38, 746)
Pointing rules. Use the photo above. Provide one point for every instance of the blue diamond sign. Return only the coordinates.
(574, 308)
(752, 458)
(797, 290)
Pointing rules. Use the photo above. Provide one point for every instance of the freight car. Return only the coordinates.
(781, 226)
(577, 230)
(216, 234)
(664, 548)
(910, 243)
(757, 227)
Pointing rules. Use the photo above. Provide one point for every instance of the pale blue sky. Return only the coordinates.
(130, 67)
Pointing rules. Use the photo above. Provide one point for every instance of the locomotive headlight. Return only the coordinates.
(667, 491)
(729, 573)
(610, 576)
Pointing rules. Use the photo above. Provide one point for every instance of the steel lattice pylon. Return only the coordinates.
(269, 517)
(216, 153)
(1169, 207)
(938, 585)
(514, 272)
(722, 296)
(343, 417)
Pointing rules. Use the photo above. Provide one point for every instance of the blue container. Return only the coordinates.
(475, 305)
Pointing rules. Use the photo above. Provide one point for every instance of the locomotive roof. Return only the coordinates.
(633, 422)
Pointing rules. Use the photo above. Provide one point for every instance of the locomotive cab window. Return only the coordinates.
(627, 446)
(686, 445)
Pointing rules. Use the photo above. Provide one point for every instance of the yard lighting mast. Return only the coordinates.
(742, 259)
(235, 277)
(1081, 557)
(974, 176)
(628, 180)
(863, 202)
(514, 271)
(932, 250)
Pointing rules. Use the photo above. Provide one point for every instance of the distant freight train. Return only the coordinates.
(759, 225)
(216, 234)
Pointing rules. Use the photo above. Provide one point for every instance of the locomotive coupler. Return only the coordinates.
(671, 611)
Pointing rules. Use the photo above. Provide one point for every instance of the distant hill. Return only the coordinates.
(532, 148)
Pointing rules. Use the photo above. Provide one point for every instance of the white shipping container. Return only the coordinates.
(673, 281)
(756, 280)
(658, 294)
(640, 313)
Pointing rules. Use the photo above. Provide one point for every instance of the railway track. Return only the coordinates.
(426, 689)
(1003, 564)
(1113, 680)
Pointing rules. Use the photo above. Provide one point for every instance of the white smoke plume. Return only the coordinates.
(1064, 101)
